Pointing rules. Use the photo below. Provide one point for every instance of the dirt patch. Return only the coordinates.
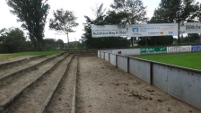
(103, 88)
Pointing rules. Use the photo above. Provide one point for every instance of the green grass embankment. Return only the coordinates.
(14, 55)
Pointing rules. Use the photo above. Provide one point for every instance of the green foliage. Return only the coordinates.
(60, 44)
(115, 18)
(76, 45)
(189, 60)
(123, 12)
(63, 21)
(99, 11)
(107, 42)
(52, 44)
(156, 40)
(168, 10)
(134, 9)
(191, 38)
(32, 14)
(13, 40)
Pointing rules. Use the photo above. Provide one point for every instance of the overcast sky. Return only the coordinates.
(79, 7)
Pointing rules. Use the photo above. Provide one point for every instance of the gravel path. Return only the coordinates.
(104, 88)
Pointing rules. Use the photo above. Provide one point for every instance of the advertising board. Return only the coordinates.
(190, 28)
(175, 49)
(156, 50)
(153, 30)
(196, 48)
(108, 30)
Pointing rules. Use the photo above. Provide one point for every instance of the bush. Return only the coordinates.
(155, 40)
(13, 41)
(107, 42)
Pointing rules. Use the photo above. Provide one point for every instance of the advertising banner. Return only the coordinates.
(153, 50)
(175, 49)
(190, 28)
(108, 30)
(196, 48)
(153, 30)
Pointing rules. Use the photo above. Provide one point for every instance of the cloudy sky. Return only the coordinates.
(79, 7)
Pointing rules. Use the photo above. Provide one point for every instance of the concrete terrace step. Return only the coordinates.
(58, 82)
(37, 95)
(32, 64)
(64, 96)
(28, 79)
(19, 62)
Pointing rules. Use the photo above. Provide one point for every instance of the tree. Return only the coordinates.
(199, 12)
(106, 42)
(134, 9)
(99, 11)
(63, 21)
(101, 19)
(32, 14)
(50, 44)
(60, 44)
(114, 18)
(2, 31)
(179, 10)
(127, 12)
(175, 10)
(12, 40)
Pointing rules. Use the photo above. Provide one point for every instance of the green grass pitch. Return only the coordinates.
(189, 60)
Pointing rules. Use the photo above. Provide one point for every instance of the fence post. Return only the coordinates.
(100, 55)
(104, 55)
(128, 60)
(109, 57)
(151, 73)
(116, 61)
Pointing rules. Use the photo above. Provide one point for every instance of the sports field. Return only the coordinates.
(189, 60)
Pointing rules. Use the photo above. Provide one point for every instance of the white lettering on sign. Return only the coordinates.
(153, 30)
(108, 30)
(193, 27)
(179, 49)
(108, 33)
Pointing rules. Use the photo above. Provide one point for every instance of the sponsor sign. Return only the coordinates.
(175, 49)
(196, 48)
(153, 30)
(190, 28)
(108, 30)
(153, 50)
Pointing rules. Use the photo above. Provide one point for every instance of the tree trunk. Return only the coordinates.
(68, 40)
(40, 45)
